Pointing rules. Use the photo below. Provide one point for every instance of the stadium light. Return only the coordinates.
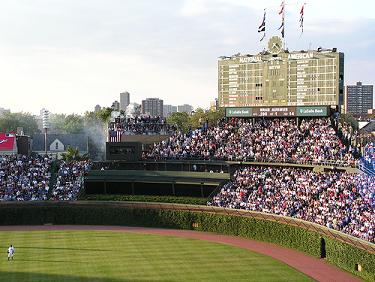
(46, 125)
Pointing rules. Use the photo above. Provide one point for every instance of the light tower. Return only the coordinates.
(46, 125)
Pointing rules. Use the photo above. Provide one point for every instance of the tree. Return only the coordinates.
(198, 118)
(201, 116)
(72, 154)
(74, 124)
(69, 124)
(214, 116)
(181, 120)
(10, 121)
(185, 121)
(102, 115)
(57, 122)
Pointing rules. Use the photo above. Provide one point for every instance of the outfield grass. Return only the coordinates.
(115, 256)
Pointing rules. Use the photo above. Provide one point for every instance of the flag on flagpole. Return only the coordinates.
(119, 133)
(262, 27)
(115, 135)
(282, 13)
(281, 26)
(264, 35)
(282, 6)
(302, 14)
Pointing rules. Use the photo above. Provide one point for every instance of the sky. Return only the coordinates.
(68, 55)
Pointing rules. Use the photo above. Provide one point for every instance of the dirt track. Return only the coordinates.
(318, 269)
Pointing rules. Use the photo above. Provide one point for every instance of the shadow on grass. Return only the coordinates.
(48, 261)
(60, 249)
(42, 277)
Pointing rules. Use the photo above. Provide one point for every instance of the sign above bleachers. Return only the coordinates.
(309, 111)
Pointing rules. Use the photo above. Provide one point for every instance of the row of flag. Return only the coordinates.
(262, 27)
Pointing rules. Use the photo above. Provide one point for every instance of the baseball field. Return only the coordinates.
(121, 256)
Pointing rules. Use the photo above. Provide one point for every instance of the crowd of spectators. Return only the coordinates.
(140, 125)
(24, 178)
(369, 155)
(337, 200)
(28, 178)
(275, 140)
(345, 131)
(70, 180)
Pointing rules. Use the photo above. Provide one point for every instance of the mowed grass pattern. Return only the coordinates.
(117, 256)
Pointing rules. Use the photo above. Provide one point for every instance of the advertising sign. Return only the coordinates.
(309, 111)
(238, 112)
(312, 111)
(7, 141)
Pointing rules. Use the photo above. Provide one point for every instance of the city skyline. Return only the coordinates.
(87, 53)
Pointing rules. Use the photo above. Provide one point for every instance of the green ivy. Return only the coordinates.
(146, 198)
(337, 253)
(346, 257)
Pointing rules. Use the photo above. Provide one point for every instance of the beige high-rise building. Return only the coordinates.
(214, 106)
(278, 77)
(152, 107)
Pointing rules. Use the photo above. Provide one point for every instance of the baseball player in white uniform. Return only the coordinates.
(10, 252)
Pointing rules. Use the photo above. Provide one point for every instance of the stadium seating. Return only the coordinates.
(337, 200)
(266, 140)
(25, 178)
(369, 156)
(143, 125)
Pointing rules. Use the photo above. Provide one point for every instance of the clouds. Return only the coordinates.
(193, 8)
(316, 9)
(76, 80)
(89, 51)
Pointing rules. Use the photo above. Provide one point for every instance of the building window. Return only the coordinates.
(57, 146)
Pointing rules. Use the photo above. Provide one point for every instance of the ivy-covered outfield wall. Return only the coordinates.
(141, 214)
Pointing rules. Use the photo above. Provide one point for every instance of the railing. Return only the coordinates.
(366, 170)
(328, 163)
(217, 189)
(164, 165)
(203, 165)
(334, 163)
(313, 227)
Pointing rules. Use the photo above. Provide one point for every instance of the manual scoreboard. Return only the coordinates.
(277, 77)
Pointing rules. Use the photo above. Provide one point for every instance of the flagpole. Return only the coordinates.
(302, 16)
(284, 25)
(262, 27)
